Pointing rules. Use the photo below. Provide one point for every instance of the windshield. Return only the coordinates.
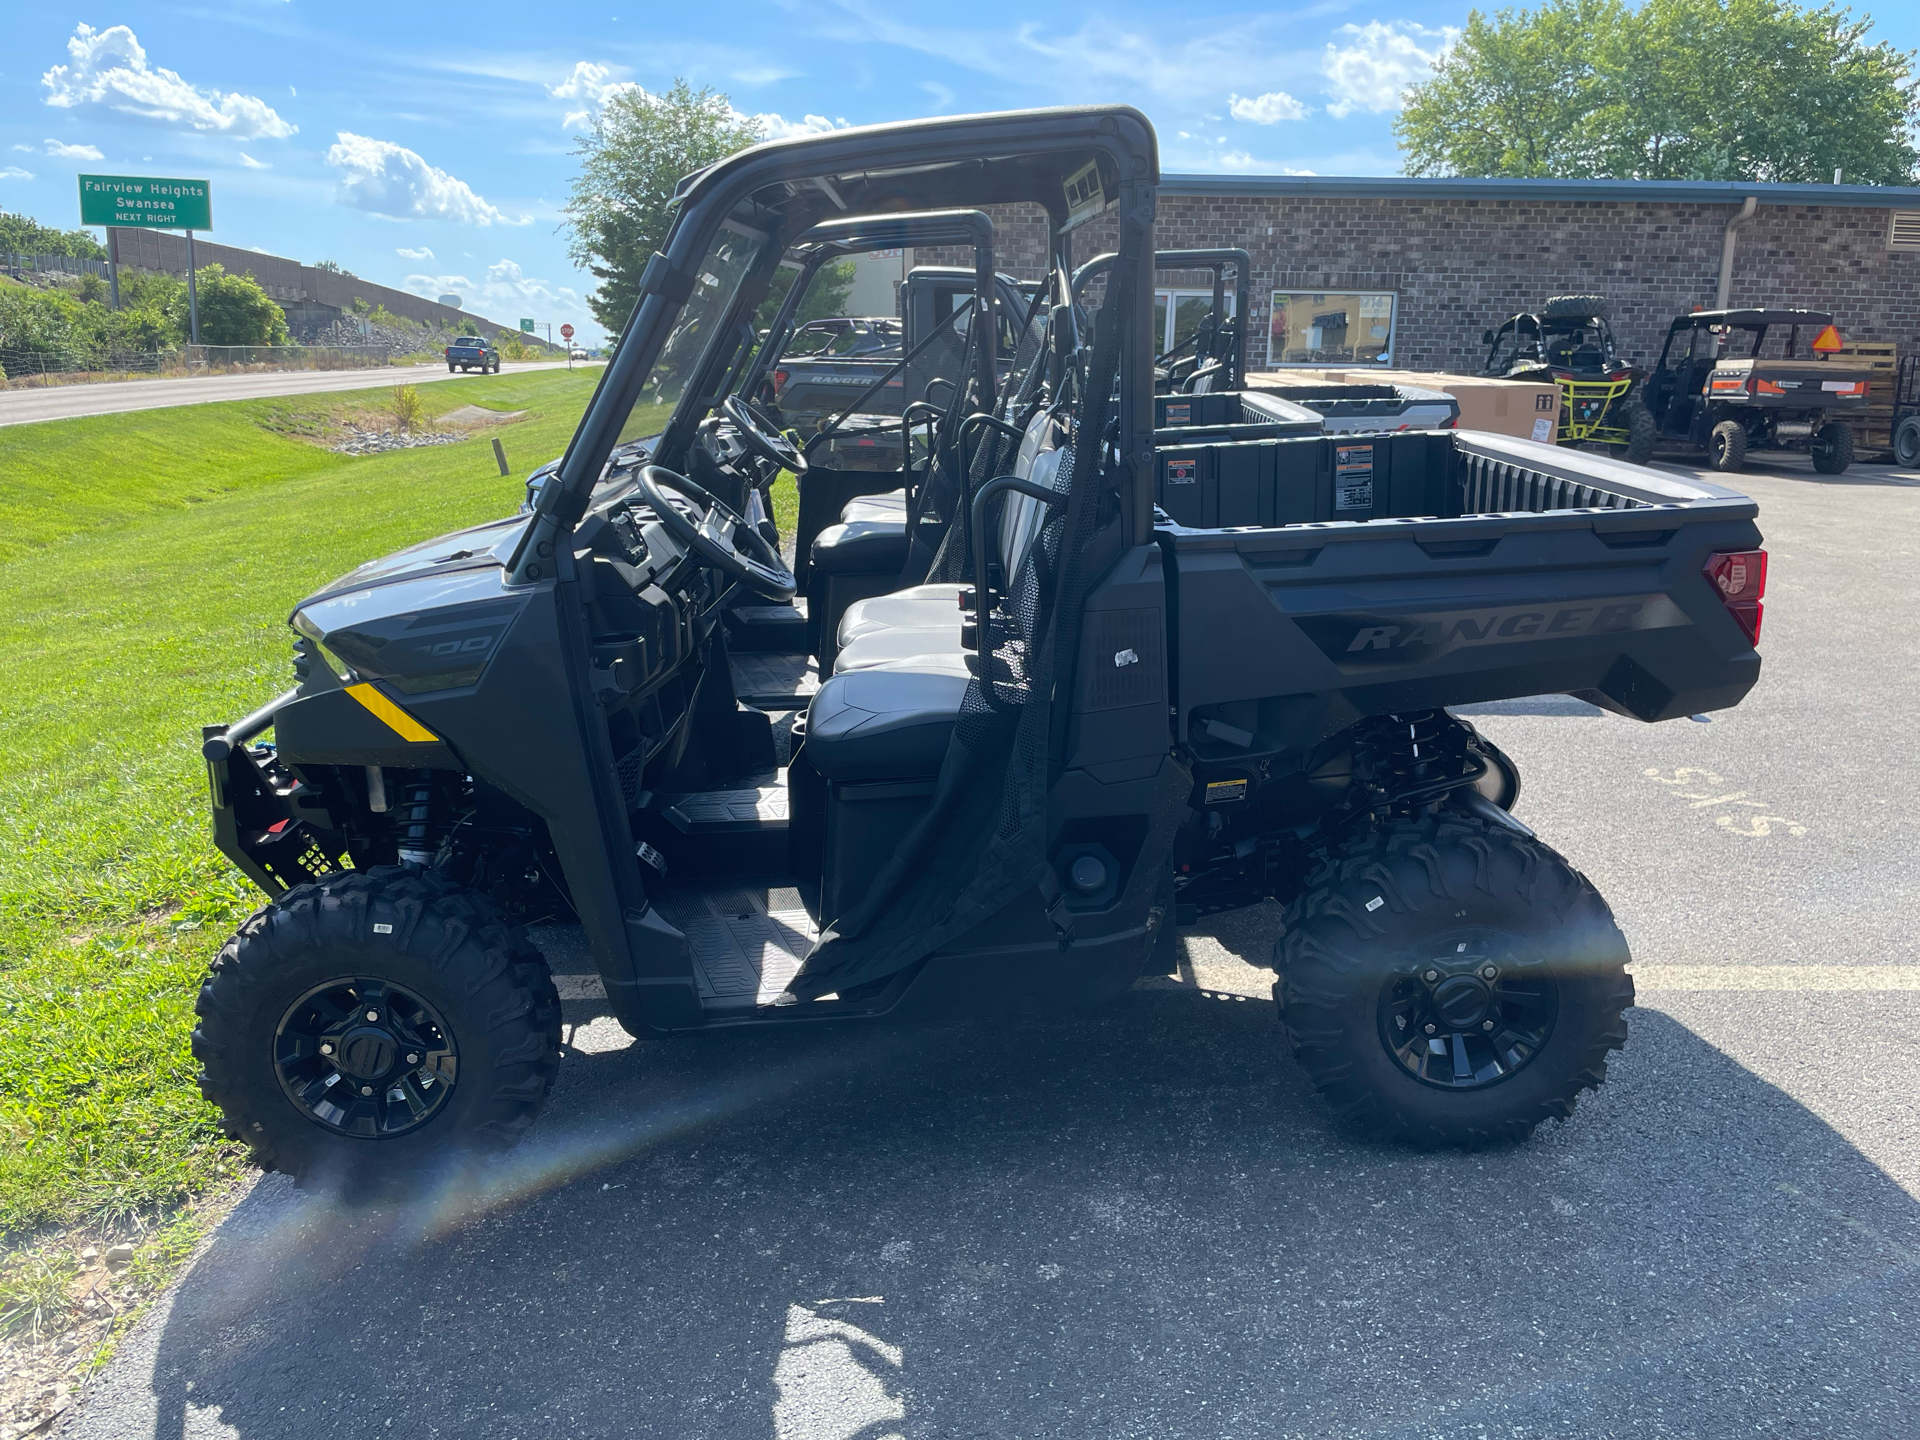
(716, 280)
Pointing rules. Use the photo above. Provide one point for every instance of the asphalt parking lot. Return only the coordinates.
(1141, 1224)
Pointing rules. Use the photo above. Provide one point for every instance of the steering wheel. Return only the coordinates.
(762, 436)
(717, 536)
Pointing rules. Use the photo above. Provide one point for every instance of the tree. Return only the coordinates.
(23, 235)
(1678, 89)
(620, 208)
(234, 310)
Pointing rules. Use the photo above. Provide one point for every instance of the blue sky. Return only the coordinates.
(427, 147)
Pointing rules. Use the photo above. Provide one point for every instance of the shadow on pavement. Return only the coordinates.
(1138, 1223)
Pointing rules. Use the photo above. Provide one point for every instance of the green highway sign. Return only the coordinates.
(146, 202)
(527, 325)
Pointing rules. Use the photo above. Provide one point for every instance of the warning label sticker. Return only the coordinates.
(1181, 414)
(1183, 470)
(1352, 477)
(1220, 792)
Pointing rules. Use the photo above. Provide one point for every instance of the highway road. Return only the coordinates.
(65, 402)
(1141, 1223)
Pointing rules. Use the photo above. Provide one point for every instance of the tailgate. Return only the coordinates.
(1587, 578)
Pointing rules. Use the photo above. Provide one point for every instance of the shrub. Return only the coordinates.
(406, 407)
(234, 310)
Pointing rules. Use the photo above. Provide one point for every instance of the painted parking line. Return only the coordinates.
(1775, 977)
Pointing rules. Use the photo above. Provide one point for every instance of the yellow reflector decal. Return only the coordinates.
(1827, 341)
(391, 714)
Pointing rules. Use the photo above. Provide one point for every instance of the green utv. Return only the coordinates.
(1030, 725)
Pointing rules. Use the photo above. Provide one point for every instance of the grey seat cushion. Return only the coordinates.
(918, 608)
(886, 723)
(890, 506)
(897, 646)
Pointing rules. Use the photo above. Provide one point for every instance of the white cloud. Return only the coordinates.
(391, 180)
(1237, 160)
(1267, 109)
(778, 127)
(14, 172)
(423, 253)
(763, 74)
(592, 84)
(253, 164)
(110, 68)
(61, 151)
(1384, 58)
(23, 149)
(507, 293)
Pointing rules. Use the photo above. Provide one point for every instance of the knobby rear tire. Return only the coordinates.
(1833, 448)
(1727, 446)
(445, 944)
(1367, 919)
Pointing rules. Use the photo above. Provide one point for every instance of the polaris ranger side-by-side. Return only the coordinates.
(1033, 752)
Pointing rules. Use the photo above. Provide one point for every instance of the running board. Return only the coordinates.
(747, 940)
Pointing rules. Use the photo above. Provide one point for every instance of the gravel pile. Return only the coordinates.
(378, 442)
(347, 332)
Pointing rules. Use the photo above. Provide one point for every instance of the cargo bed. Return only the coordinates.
(1477, 567)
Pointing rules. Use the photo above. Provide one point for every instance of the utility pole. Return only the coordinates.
(193, 296)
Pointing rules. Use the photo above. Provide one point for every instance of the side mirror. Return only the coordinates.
(1486, 337)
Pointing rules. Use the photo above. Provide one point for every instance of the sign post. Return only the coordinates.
(566, 334)
(148, 202)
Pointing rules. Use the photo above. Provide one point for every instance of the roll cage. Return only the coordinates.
(1074, 163)
(1218, 346)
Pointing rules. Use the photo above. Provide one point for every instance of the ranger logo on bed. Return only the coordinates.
(1357, 641)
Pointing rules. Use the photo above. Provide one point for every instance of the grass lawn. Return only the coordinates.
(147, 566)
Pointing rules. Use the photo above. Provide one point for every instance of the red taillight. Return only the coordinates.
(780, 380)
(1741, 578)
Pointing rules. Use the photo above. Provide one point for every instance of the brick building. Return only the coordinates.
(1433, 262)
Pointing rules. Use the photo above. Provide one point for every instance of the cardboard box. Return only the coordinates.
(1526, 408)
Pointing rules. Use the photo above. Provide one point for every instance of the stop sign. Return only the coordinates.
(566, 332)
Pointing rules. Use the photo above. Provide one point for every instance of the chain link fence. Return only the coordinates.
(20, 369)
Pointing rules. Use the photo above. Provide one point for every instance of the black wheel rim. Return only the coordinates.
(1472, 1016)
(365, 1058)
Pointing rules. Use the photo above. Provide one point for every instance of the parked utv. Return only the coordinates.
(1731, 381)
(1569, 342)
(1035, 749)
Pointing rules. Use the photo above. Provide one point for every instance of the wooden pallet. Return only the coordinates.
(1874, 430)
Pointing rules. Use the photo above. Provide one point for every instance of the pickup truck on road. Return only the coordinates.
(473, 352)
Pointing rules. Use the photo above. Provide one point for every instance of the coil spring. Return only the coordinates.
(421, 822)
(1417, 757)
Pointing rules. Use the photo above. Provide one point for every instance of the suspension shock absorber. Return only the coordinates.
(1414, 758)
(422, 820)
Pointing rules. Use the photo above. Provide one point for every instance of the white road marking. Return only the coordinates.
(1776, 977)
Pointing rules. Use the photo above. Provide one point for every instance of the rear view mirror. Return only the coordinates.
(1486, 337)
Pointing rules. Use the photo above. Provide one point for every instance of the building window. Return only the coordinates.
(1330, 329)
(1903, 231)
(1178, 313)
